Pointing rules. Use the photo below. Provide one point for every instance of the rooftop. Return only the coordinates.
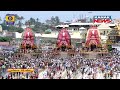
(4, 43)
(90, 24)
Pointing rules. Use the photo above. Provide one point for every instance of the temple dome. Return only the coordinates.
(93, 37)
(64, 38)
(28, 39)
(28, 33)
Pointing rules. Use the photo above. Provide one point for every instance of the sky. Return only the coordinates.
(63, 15)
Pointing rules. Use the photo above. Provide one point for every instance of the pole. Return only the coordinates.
(89, 15)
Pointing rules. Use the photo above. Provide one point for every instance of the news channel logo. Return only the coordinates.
(102, 19)
(10, 19)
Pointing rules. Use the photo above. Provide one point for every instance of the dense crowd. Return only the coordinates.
(47, 66)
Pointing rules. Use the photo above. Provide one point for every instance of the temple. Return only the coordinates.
(63, 40)
(28, 39)
(93, 38)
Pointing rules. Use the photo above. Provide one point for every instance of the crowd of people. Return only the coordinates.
(49, 66)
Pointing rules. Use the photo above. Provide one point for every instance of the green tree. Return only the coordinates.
(48, 22)
(15, 29)
(0, 19)
(5, 39)
(12, 29)
(53, 20)
(32, 21)
(91, 20)
(37, 27)
(109, 47)
(57, 20)
(20, 24)
(37, 19)
(4, 26)
(27, 22)
(16, 18)
(4, 23)
(20, 30)
(21, 19)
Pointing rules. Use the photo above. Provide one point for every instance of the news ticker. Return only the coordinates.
(20, 70)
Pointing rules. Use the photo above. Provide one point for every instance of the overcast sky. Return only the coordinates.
(63, 15)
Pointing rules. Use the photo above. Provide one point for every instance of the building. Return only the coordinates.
(104, 30)
(117, 47)
(114, 35)
(77, 26)
(61, 26)
(83, 33)
(4, 43)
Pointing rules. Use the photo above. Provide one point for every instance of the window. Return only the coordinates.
(104, 32)
(107, 32)
(112, 37)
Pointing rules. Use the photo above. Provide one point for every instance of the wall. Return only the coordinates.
(115, 46)
(18, 35)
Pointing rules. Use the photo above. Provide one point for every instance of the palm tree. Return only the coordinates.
(32, 21)
(27, 23)
(22, 18)
(19, 19)
(0, 19)
(16, 18)
(37, 19)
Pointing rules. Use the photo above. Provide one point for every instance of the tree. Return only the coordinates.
(5, 39)
(32, 21)
(109, 47)
(20, 21)
(4, 23)
(14, 29)
(57, 20)
(0, 19)
(37, 19)
(91, 20)
(27, 22)
(21, 18)
(16, 18)
(53, 20)
(37, 27)
(20, 24)
(20, 30)
(4, 26)
(48, 22)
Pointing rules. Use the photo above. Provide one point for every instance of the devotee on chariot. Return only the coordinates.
(28, 40)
